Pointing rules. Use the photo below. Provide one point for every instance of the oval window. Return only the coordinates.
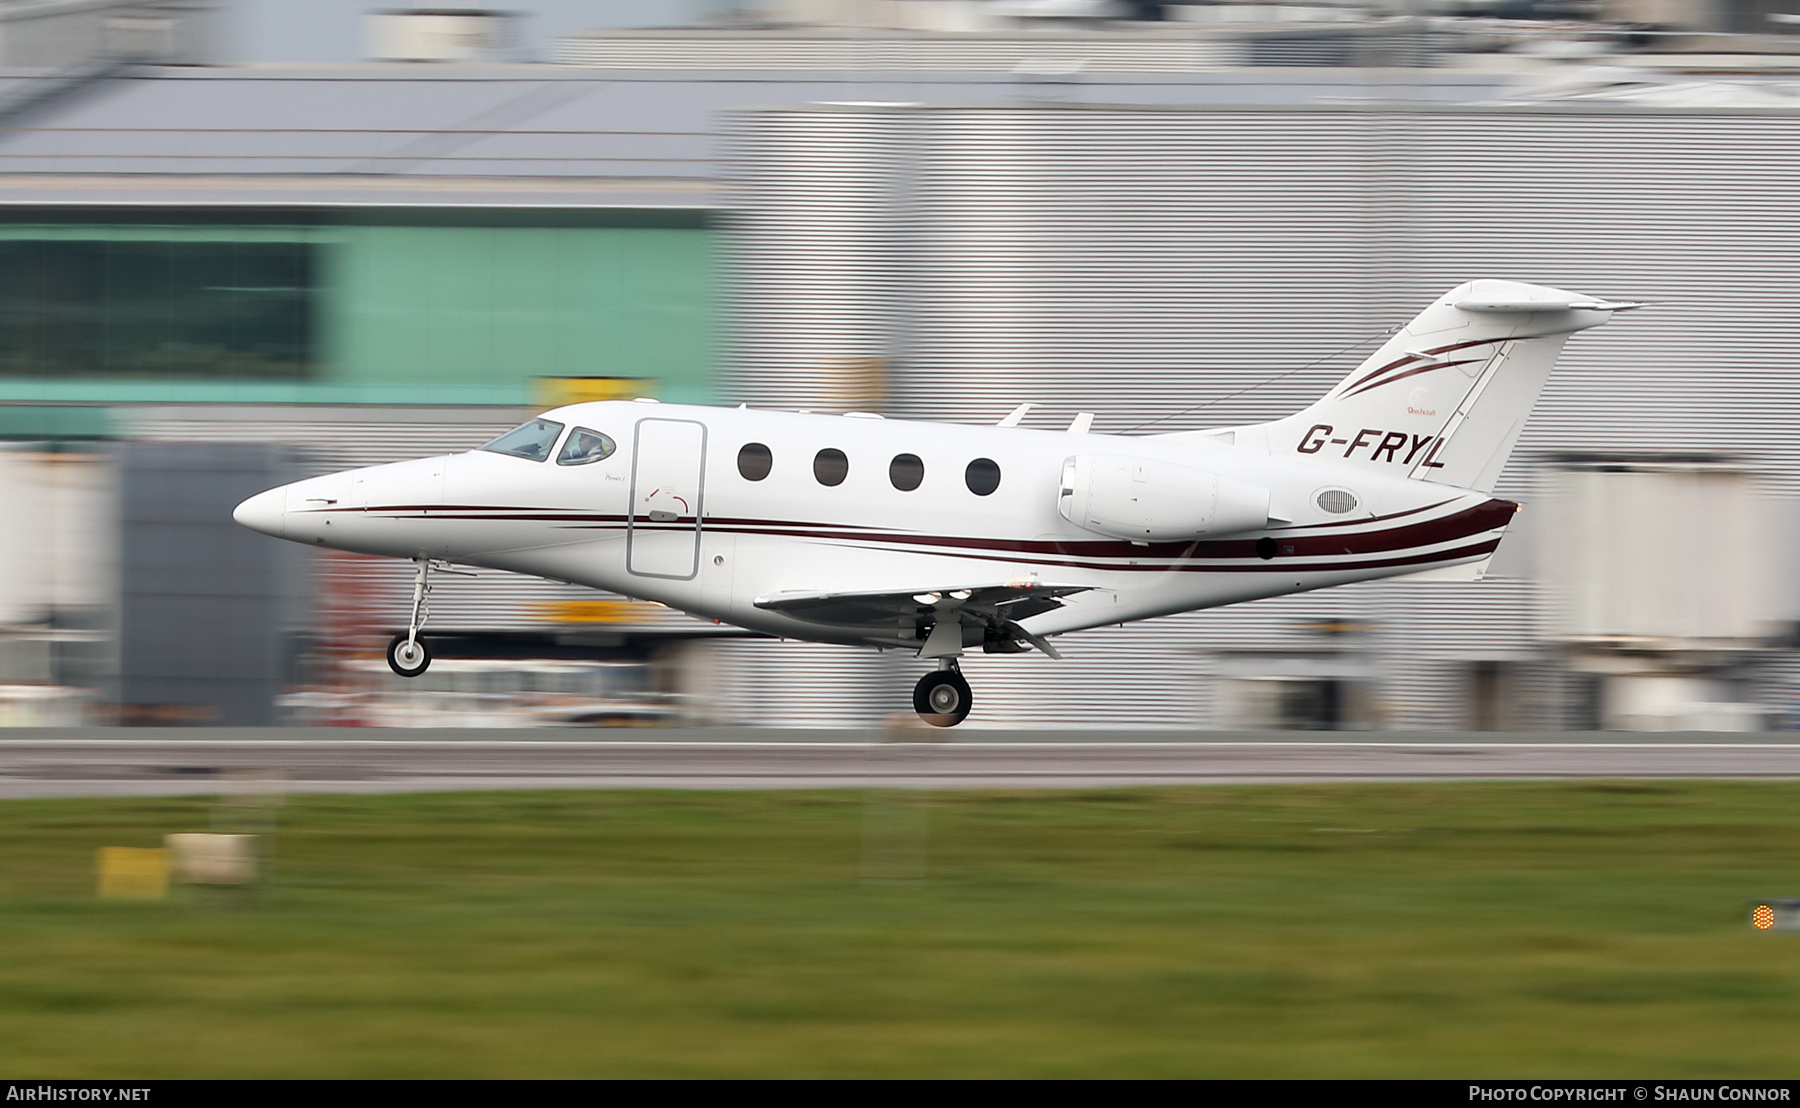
(755, 461)
(585, 446)
(982, 476)
(831, 466)
(906, 471)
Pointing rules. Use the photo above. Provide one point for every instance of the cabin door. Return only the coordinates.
(668, 475)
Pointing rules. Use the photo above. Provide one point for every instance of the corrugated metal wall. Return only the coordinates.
(1203, 267)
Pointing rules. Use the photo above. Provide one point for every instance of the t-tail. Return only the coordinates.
(1443, 400)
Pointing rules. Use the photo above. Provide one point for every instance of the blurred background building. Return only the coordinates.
(245, 241)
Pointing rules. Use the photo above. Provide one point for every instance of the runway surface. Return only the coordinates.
(206, 761)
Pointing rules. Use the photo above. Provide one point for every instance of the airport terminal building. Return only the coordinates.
(219, 277)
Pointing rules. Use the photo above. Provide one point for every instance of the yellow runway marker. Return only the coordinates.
(132, 873)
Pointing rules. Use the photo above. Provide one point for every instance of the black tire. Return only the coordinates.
(942, 698)
(403, 665)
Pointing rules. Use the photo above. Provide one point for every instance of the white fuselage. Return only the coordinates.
(669, 517)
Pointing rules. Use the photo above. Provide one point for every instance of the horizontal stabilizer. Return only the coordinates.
(1570, 304)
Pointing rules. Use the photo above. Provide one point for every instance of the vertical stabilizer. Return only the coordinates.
(1444, 399)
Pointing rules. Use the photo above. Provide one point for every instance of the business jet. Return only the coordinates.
(941, 539)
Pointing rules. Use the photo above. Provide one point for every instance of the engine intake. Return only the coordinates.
(1149, 500)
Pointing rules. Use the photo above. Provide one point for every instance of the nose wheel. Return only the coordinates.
(942, 698)
(408, 657)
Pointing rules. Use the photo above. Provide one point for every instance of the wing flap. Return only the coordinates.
(1011, 600)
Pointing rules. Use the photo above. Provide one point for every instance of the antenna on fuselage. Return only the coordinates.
(1012, 419)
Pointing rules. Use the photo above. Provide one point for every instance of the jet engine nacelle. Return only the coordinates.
(1147, 500)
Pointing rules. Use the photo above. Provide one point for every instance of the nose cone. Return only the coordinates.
(265, 512)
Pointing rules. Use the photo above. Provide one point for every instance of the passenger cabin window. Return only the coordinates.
(755, 461)
(531, 441)
(585, 446)
(906, 472)
(982, 476)
(831, 466)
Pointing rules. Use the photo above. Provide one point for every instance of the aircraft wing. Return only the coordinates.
(1010, 601)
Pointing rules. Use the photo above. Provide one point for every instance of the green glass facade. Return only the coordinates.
(435, 307)
(146, 310)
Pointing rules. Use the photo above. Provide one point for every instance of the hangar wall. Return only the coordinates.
(1170, 268)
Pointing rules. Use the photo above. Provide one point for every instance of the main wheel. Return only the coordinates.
(408, 659)
(942, 698)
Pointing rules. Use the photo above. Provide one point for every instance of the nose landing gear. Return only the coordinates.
(942, 697)
(408, 655)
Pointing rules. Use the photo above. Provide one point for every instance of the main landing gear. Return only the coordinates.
(942, 697)
(408, 655)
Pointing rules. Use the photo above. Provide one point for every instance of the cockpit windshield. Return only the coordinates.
(585, 446)
(531, 441)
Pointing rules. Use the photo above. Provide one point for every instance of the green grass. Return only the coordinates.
(1480, 930)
